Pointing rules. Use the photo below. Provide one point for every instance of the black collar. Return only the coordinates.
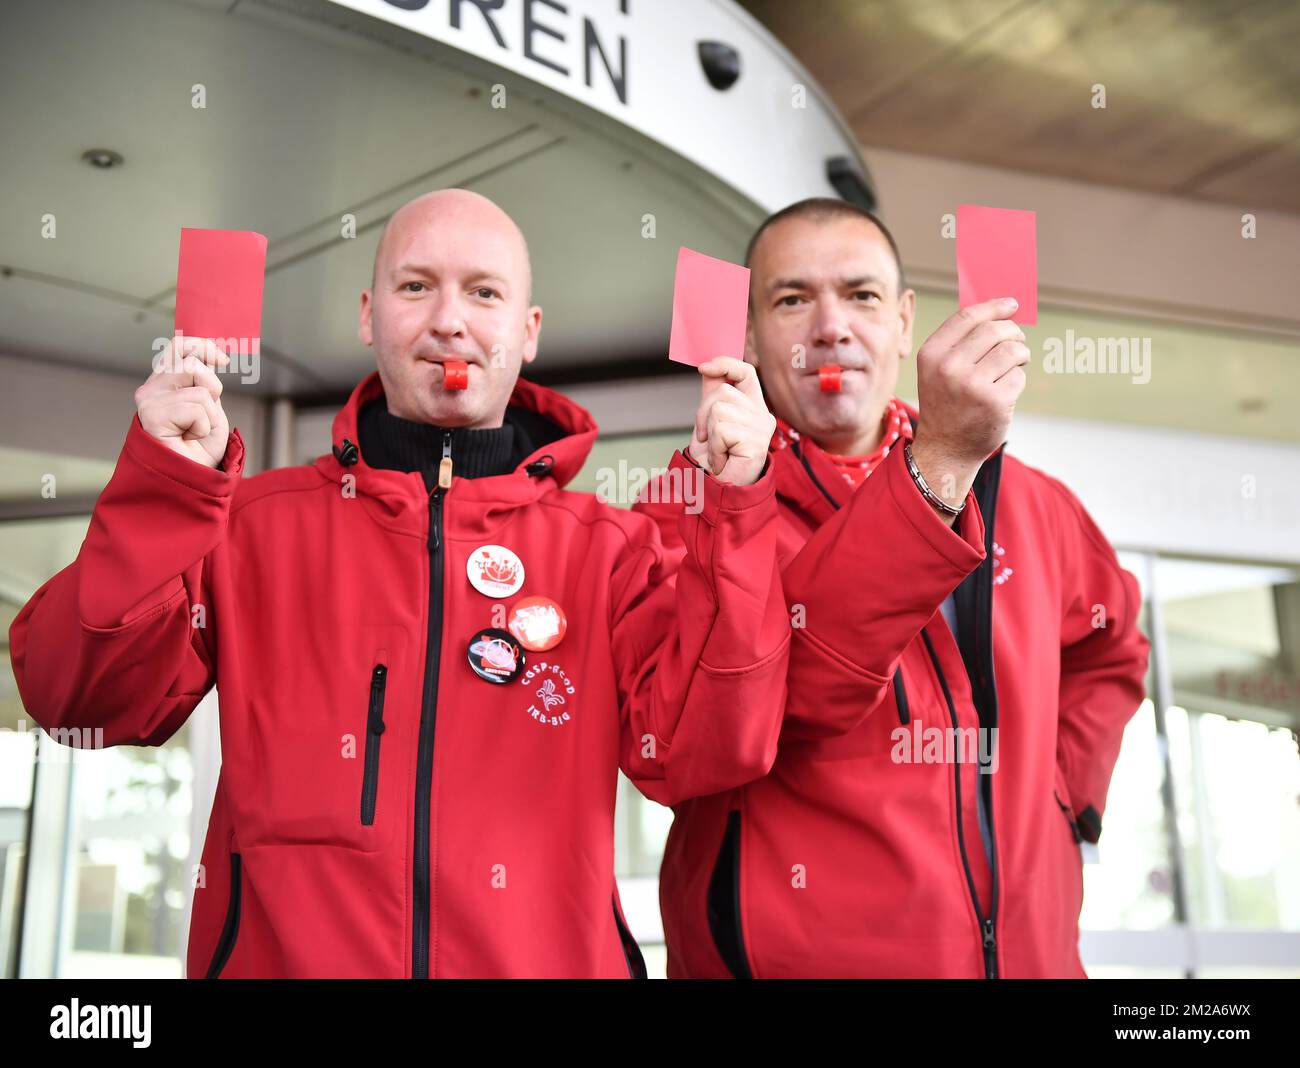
(389, 441)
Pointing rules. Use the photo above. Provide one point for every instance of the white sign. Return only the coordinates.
(768, 135)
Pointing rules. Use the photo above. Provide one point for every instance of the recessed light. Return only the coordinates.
(103, 158)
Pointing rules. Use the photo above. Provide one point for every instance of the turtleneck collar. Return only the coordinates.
(389, 441)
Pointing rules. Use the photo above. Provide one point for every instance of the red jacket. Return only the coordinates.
(847, 860)
(355, 832)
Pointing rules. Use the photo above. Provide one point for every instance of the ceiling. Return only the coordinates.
(1202, 96)
(303, 122)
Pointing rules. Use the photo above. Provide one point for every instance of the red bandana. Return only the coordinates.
(855, 469)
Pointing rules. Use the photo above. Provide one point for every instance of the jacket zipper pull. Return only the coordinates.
(444, 468)
(376, 718)
(444, 484)
(990, 949)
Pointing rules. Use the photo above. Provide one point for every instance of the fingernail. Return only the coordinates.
(1012, 301)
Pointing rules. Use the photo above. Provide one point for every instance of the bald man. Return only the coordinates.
(432, 659)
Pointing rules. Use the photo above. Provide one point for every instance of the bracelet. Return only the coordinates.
(935, 500)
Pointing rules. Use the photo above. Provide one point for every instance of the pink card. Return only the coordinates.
(710, 306)
(997, 256)
(219, 287)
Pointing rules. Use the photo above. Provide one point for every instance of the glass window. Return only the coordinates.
(32, 551)
(1233, 634)
(132, 847)
(1127, 876)
(17, 767)
(130, 817)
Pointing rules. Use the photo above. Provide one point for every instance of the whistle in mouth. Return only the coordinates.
(455, 374)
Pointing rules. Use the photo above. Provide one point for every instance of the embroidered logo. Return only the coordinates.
(1001, 570)
(552, 689)
(549, 696)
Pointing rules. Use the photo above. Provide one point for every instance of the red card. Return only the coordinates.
(219, 287)
(710, 306)
(997, 256)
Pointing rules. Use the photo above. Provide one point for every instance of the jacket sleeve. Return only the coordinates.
(1103, 662)
(860, 591)
(111, 643)
(701, 650)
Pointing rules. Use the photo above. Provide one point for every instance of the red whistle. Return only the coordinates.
(455, 374)
(828, 374)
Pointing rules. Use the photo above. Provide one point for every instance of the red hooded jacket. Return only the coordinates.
(861, 853)
(382, 812)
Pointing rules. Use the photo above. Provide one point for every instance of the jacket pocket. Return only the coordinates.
(631, 951)
(374, 734)
(900, 698)
(723, 902)
(230, 929)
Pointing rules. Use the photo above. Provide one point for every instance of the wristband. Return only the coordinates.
(935, 500)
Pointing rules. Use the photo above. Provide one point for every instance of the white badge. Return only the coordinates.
(495, 571)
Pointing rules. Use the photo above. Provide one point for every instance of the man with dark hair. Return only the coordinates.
(823, 209)
(965, 651)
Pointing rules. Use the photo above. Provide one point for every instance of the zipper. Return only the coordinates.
(230, 929)
(986, 494)
(986, 922)
(374, 732)
(973, 601)
(428, 715)
(798, 451)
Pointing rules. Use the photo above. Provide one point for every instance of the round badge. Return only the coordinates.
(495, 656)
(538, 623)
(495, 571)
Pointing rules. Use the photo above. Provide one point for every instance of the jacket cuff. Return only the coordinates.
(709, 495)
(961, 544)
(147, 451)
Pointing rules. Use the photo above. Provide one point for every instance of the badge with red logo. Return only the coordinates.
(538, 622)
(495, 656)
(495, 571)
